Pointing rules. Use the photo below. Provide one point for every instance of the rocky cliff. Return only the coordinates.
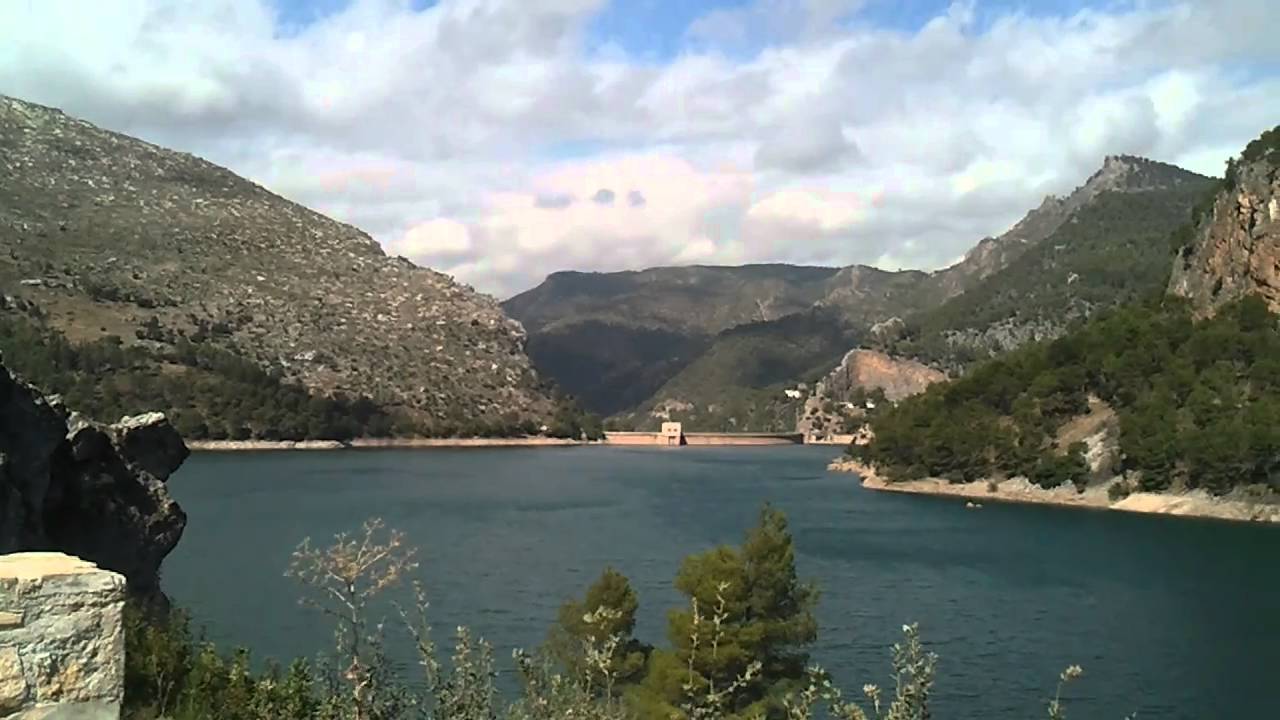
(89, 490)
(870, 370)
(1233, 249)
(111, 236)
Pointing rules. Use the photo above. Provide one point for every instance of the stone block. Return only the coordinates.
(61, 638)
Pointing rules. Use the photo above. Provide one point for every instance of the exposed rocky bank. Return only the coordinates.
(1019, 490)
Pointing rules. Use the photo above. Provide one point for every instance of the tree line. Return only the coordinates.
(211, 393)
(1198, 404)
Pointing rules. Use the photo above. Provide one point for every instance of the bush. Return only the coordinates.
(1118, 491)
(171, 674)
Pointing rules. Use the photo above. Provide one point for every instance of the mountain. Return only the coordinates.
(1104, 243)
(190, 282)
(1108, 244)
(1178, 392)
(612, 339)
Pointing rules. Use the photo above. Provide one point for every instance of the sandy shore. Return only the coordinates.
(1018, 490)
(241, 445)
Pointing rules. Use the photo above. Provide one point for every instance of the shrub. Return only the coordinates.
(171, 674)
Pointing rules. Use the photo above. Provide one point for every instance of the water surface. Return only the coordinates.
(1172, 618)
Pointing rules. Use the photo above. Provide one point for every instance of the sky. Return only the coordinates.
(502, 140)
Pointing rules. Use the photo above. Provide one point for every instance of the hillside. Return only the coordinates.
(1112, 248)
(612, 339)
(1104, 243)
(198, 284)
(1194, 383)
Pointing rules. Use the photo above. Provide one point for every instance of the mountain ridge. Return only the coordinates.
(857, 298)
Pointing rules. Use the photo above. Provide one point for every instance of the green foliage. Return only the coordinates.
(211, 393)
(1198, 403)
(742, 660)
(1265, 147)
(581, 626)
(1112, 251)
(744, 635)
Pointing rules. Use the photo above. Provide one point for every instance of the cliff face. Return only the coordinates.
(89, 490)
(109, 235)
(872, 370)
(1235, 248)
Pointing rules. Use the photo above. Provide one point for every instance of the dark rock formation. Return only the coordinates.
(85, 489)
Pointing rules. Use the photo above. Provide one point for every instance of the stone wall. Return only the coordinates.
(61, 638)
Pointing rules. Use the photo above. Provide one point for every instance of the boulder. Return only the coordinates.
(91, 490)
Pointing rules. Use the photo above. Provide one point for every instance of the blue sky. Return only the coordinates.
(657, 30)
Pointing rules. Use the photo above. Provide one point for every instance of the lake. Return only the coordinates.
(1170, 617)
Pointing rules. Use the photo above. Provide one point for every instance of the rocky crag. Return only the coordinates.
(842, 401)
(110, 236)
(93, 491)
(1233, 249)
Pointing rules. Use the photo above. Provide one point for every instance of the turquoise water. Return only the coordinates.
(1171, 618)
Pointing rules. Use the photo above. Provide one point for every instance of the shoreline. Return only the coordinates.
(376, 443)
(1197, 504)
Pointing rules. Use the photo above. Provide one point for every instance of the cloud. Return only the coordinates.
(439, 237)
(782, 130)
(805, 145)
(554, 201)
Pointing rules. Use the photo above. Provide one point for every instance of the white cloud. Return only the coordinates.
(838, 142)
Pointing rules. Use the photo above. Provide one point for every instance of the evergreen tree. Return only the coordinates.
(581, 627)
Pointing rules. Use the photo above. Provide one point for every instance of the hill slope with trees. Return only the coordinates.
(1194, 382)
(111, 242)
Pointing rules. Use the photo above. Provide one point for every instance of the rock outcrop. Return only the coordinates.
(874, 370)
(91, 490)
(61, 638)
(1235, 248)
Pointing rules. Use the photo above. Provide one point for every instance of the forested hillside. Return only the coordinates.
(1113, 250)
(1198, 404)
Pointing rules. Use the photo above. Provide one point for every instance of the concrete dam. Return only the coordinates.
(672, 434)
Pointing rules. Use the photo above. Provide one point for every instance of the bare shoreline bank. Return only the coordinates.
(1195, 504)
(387, 443)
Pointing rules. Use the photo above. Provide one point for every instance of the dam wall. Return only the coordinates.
(743, 438)
(658, 439)
(61, 638)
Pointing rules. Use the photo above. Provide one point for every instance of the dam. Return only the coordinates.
(672, 434)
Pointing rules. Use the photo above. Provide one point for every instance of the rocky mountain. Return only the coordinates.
(1104, 243)
(89, 490)
(105, 236)
(1111, 246)
(1233, 247)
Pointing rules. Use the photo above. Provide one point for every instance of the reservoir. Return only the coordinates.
(1170, 617)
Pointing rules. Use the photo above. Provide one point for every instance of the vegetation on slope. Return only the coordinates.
(110, 235)
(738, 651)
(1198, 404)
(1112, 251)
(738, 383)
(210, 393)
